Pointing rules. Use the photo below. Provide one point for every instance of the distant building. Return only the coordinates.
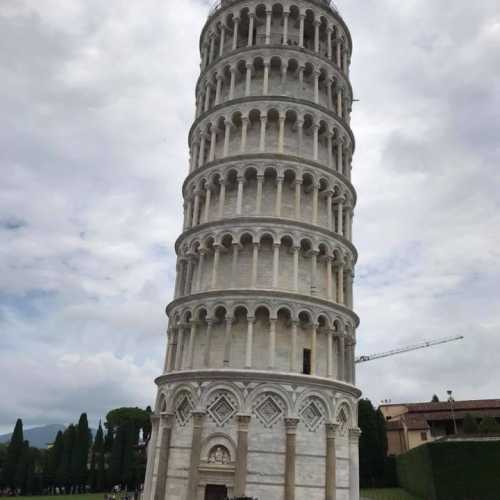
(410, 425)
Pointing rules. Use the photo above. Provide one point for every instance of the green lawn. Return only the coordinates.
(393, 494)
(93, 496)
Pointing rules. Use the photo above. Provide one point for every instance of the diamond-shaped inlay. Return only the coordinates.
(183, 411)
(221, 410)
(342, 421)
(268, 411)
(313, 416)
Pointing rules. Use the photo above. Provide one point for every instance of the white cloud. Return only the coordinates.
(96, 101)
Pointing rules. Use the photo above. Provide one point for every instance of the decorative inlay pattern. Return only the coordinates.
(269, 409)
(343, 422)
(313, 414)
(183, 409)
(222, 409)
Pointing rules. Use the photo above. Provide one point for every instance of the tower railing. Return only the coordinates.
(218, 4)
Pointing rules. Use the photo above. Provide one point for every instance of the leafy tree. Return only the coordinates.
(13, 457)
(435, 399)
(470, 424)
(116, 460)
(489, 425)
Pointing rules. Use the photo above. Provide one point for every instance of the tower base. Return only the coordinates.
(266, 435)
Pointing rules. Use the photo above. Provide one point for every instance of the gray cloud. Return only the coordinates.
(96, 99)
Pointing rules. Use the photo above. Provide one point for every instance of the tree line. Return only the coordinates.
(77, 462)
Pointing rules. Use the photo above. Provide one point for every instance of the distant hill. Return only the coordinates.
(38, 437)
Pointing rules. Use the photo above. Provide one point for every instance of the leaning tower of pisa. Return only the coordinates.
(258, 393)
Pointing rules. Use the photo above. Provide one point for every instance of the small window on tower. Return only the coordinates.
(306, 362)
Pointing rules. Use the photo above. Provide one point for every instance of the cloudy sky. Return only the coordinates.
(95, 103)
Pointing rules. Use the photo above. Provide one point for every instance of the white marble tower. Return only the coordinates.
(257, 396)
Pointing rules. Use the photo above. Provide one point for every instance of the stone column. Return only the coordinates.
(339, 102)
(196, 209)
(272, 343)
(222, 198)
(170, 350)
(293, 357)
(194, 155)
(340, 218)
(315, 204)
(208, 199)
(330, 149)
(232, 84)
(213, 143)
(212, 49)
(354, 435)
(329, 42)
(218, 89)
(298, 192)
(227, 136)
(239, 198)
(222, 40)
(329, 287)
(331, 462)
(279, 192)
(208, 344)
(291, 457)
(235, 36)
(314, 349)
(286, 15)
(316, 35)
(244, 133)
(329, 370)
(240, 478)
(207, 97)
(316, 139)
(349, 289)
(255, 264)
(215, 267)
(265, 86)
(258, 201)
(296, 253)
(301, 30)
(341, 356)
(276, 264)
(316, 86)
(250, 28)
(281, 137)
(300, 131)
(248, 80)
(198, 417)
(228, 339)
(340, 285)
(179, 351)
(162, 453)
(234, 268)
(339, 52)
(201, 158)
(329, 213)
(249, 343)
(314, 272)
(263, 127)
(268, 26)
(192, 339)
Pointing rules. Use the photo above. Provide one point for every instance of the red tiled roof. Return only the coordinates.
(478, 405)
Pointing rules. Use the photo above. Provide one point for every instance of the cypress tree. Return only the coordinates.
(97, 451)
(80, 453)
(13, 457)
(22, 468)
(63, 475)
(129, 464)
(116, 460)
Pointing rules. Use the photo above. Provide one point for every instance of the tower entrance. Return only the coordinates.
(215, 492)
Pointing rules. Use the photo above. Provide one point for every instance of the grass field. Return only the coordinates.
(393, 494)
(92, 496)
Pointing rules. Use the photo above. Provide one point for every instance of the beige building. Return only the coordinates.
(412, 424)
(258, 394)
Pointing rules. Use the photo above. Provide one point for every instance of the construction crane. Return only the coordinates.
(415, 347)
